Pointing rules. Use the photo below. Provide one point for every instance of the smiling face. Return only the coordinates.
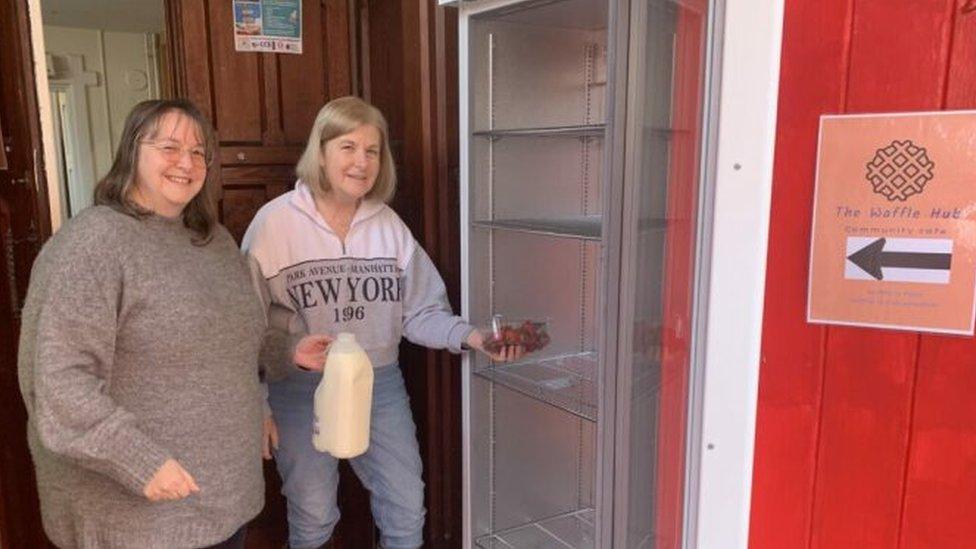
(172, 166)
(351, 163)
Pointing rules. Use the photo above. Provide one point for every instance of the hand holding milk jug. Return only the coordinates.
(343, 400)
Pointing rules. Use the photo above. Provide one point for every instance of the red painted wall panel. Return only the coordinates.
(961, 89)
(940, 491)
(865, 438)
(899, 53)
(869, 376)
(812, 81)
(897, 62)
(940, 484)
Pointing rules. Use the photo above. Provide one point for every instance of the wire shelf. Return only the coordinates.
(582, 130)
(571, 530)
(566, 382)
(587, 227)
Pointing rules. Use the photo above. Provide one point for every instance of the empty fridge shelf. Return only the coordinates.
(587, 227)
(584, 130)
(566, 382)
(571, 530)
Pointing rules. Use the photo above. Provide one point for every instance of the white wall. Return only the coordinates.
(128, 75)
(118, 72)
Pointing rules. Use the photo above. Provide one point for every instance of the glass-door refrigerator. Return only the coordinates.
(581, 125)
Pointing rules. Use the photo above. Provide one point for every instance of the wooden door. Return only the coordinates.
(409, 66)
(401, 57)
(24, 224)
(263, 106)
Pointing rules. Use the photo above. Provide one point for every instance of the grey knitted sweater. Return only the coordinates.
(137, 346)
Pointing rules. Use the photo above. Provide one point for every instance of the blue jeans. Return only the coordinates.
(390, 469)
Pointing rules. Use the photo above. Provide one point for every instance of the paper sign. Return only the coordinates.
(268, 25)
(894, 222)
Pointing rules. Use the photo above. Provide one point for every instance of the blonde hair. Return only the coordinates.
(339, 117)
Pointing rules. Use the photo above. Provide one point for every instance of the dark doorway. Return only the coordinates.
(399, 55)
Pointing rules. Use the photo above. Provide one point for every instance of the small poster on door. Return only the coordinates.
(893, 243)
(268, 25)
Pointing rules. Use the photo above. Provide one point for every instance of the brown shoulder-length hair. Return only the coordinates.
(339, 117)
(114, 190)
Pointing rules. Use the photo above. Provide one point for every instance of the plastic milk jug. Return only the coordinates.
(343, 399)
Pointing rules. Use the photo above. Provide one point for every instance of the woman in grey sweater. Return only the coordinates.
(138, 355)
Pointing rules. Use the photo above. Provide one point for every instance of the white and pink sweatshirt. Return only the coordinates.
(379, 284)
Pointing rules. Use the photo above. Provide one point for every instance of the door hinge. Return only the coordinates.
(31, 238)
(15, 304)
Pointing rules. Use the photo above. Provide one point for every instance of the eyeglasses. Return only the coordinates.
(173, 152)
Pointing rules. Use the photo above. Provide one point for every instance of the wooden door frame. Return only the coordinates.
(410, 73)
(431, 83)
(26, 225)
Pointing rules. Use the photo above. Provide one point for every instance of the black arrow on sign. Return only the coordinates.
(872, 258)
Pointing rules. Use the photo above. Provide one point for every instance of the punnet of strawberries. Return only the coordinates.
(529, 334)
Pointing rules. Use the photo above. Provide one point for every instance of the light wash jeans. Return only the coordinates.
(390, 469)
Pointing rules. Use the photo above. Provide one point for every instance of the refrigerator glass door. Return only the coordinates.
(582, 127)
(668, 40)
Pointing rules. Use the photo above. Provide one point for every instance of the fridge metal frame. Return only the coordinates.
(742, 63)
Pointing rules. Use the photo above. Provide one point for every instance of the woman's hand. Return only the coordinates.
(508, 353)
(170, 482)
(270, 437)
(311, 351)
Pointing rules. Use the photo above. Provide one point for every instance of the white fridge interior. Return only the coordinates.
(589, 156)
(537, 80)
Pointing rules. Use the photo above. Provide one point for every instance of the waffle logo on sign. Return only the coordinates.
(900, 170)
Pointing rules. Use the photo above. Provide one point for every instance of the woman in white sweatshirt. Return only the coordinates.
(327, 257)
